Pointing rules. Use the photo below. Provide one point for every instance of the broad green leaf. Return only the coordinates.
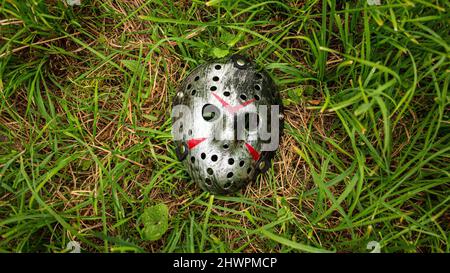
(229, 38)
(286, 102)
(155, 220)
(295, 94)
(220, 53)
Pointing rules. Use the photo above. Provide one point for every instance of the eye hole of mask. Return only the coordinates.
(210, 112)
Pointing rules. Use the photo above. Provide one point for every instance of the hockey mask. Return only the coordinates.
(227, 123)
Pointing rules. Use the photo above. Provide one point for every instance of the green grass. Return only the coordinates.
(85, 144)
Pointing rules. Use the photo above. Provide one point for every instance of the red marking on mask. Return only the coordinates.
(255, 154)
(229, 108)
(194, 142)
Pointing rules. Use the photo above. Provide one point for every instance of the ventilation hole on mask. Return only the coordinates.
(192, 159)
(213, 88)
(227, 185)
(203, 155)
(257, 87)
(256, 97)
(226, 94)
(241, 163)
(210, 112)
(189, 86)
(230, 175)
(181, 128)
(193, 92)
(218, 67)
(243, 97)
(208, 181)
(226, 146)
(249, 170)
(250, 119)
(190, 132)
(259, 76)
(215, 78)
(210, 171)
(214, 158)
(230, 161)
(197, 78)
